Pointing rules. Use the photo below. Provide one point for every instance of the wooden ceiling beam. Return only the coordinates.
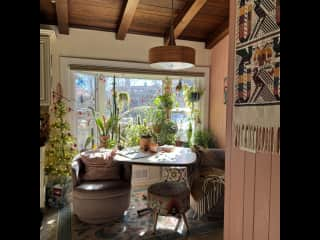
(221, 31)
(62, 9)
(126, 19)
(182, 20)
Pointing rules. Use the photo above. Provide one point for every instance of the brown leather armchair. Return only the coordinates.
(100, 201)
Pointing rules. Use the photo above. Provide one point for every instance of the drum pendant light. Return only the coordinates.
(171, 57)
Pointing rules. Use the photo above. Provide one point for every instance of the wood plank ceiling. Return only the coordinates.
(194, 20)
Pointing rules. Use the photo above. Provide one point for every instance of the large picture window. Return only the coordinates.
(94, 89)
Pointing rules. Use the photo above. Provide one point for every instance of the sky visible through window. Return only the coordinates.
(142, 92)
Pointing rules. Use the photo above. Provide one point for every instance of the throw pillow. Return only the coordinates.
(99, 165)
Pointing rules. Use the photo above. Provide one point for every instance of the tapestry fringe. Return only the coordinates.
(257, 139)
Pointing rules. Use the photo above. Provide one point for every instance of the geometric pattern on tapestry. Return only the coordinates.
(256, 18)
(257, 76)
(256, 99)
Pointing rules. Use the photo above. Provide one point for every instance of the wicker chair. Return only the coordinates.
(207, 180)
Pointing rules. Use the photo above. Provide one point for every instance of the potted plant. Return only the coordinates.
(204, 138)
(145, 137)
(104, 127)
(60, 150)
(192, 94)
(155, 116)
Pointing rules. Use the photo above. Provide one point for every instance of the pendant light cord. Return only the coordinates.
(172, 13)
(172, 41)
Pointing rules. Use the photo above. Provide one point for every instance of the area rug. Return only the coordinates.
(131, 226)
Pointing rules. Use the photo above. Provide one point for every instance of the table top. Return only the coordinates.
(180, 156)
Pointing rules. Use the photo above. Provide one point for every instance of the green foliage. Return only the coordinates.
(165, 101)
(123, 99)
(88, 141)
(132, 134)
(167, 133)
(204, 138)
(61, 147)
(104, 125)
(191, 94)
(109, 127)
(154, 116)
(189, 133)
(164, 129)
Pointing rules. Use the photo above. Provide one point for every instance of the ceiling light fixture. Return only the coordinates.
(172, 57)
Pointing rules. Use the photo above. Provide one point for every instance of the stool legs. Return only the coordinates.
(177, 226)
(155, 219)
(185, 221)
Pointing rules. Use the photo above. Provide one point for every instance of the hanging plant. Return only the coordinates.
(192, 94)
(179, 86)
(124, 99)
(124, 96)
(165, 101)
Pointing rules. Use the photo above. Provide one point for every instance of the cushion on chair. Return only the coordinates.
(99, 165)
(169, 198)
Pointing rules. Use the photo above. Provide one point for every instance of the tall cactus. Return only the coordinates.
(114, 112)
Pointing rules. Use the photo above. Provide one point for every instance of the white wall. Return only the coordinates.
(103, 45)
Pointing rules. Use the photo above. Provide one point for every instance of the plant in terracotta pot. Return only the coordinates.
(104, 127)
(145, 135)
(136, 134)
(145, 138)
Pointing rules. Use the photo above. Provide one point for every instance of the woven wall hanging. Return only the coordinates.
(256, 111)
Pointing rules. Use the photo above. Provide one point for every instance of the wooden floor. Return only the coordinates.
(49, 229)
(216, 235)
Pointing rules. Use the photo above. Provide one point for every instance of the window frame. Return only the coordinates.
(67, 66)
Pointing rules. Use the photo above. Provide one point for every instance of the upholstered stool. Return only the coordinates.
(169, 199)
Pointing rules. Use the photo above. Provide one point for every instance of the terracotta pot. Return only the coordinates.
(179, 143)
(103, 140)
(153, 147)
(145, 143)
